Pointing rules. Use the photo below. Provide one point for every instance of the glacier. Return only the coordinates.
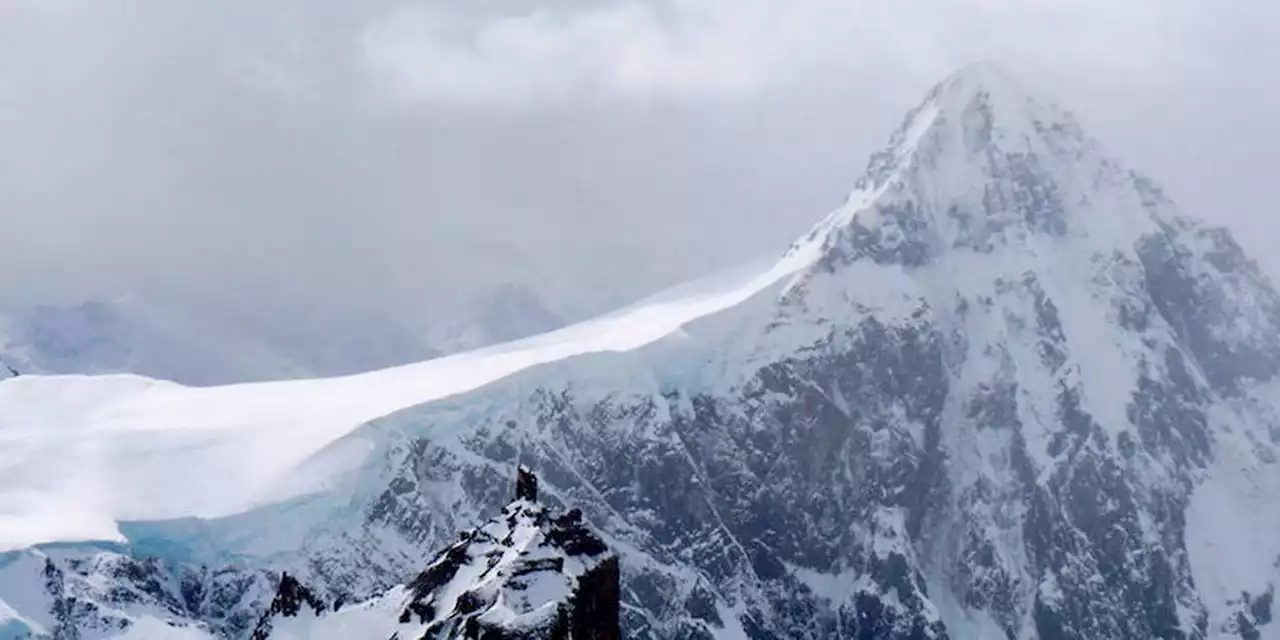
(78, 454)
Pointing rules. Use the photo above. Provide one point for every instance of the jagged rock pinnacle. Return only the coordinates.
(526, 484)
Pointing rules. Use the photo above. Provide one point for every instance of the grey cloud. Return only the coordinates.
(348, 165)
(691, 48)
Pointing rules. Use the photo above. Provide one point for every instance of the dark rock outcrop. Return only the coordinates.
(526, 485)
(528, 574)
(292, 597)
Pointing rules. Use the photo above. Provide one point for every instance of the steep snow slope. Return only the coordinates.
(78, 454)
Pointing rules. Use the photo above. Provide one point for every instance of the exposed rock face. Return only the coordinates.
(80, 594)
(526, 485)
(292, 597)
(526, 575)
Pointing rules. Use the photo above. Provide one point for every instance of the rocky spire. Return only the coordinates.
(526, 484)
(528, 573)
(292, 598)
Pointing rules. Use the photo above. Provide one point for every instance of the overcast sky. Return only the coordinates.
(355, 157)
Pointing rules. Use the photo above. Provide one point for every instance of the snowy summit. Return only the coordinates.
(527, 574)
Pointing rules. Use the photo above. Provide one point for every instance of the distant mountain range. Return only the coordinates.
(181, 342)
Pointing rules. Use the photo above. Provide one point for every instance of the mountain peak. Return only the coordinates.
(528, 573)
(982, 163)
(982, 79)
(977, 109)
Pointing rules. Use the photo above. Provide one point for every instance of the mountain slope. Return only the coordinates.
(1015, 396)
(79, 454)
(72, 593)
(1007, 390)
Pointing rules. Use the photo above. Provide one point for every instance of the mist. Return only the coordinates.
(346, 164)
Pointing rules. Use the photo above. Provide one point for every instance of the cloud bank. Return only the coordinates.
(334, 167)
(691, 49)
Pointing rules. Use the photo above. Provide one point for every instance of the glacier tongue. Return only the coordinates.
(1006, 390)
(80, 453)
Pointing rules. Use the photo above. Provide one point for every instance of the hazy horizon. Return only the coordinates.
(340, 161)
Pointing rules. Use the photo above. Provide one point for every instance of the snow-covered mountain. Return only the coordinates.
(88, 593)
(528, 574)
(1007, 390)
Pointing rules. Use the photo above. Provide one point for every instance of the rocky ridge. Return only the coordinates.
(528, 574)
